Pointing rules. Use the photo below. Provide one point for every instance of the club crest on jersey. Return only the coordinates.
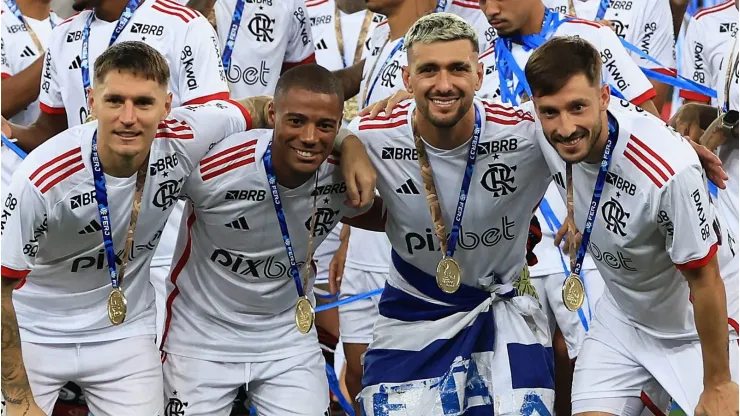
(261, 27)
(389, 74)
(620, 29)
(175, 406)
(615, 216)
(499, 179)
(324, 220)
(167, 194)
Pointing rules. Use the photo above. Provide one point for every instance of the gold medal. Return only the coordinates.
(573, 292)
(116, 306)
(448, 275)
(304, 315)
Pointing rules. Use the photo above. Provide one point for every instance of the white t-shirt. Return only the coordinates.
(19, 52)
(644, 23)
(729, 197)
(618, 69)
(273, 35)
(708, 31)
(232, 275)
(182, 35)
(492, 242)
(52, 233)
(321, 13)
(644, 234)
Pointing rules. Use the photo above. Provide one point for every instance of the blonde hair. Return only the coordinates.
(440, 27)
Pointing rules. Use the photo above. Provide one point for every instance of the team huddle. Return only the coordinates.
(178, 210)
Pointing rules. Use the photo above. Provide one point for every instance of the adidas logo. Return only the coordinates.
(408, 188)
(238, 224)
(321, 45)
(93, 227)
(27, 52)
(76, 64)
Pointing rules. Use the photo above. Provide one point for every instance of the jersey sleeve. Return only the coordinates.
(24, 227)
(7, 71)
(201, 73)
(685, 219)
(620, 71)
(693, 63)
(195, 129)
(50, 94)
(300, 49)
(656, 37)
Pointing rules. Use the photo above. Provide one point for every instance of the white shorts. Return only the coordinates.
(293, 386)
(356, 319)
(573, 325)
(158, 276)
(618, 362)
(118, 378)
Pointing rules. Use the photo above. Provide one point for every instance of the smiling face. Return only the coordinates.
(443, 77)
(306, 123)
(128, 108)
(507, 16)
(572, 118)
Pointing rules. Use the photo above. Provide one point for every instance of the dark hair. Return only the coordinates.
(554, 63)
(310, 77)
(137, 58)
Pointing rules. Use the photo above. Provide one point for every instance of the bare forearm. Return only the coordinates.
(678, 9)
(372, 220)
(649, 106)
(22, 89)
(710, 315)
(45, 127)
(661, 91)
(15, 386)
(351, 79)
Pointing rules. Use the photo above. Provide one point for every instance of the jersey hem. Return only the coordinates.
(694, 96)
(309, 59)
(5, 75)
(13, 273)
(647, 95)
(224, 95)
(52, 110)
(224, 356)
(28, 336)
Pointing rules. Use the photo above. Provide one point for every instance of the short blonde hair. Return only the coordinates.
(440, 27)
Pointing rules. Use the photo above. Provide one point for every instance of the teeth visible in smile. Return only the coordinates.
(127, 134)
(304, 154)
(443, 102)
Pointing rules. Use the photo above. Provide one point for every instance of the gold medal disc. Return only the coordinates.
(116, 306)
(304, 315)
(449, 275)
(573, 292)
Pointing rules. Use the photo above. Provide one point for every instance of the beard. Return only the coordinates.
(448, 120)
(589, 137)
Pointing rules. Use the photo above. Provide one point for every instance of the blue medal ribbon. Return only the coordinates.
(123, 21)
(280, 212)
(603, 6)
(465, 186)
(233, 30)
(101, 197)
(606, 159)
(13, 7)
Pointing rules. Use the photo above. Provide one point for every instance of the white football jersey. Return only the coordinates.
(51, 230)
(729, 197)
(231, 276)
(182, 35)
(703, 47)
(654, 219)
(19, 51)
(644, 23)
(274, 35)
(618, 69)
(508, 173)
(328, 55)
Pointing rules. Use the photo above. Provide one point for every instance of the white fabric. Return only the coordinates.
(729, 197)
(321, 13)
(183, 36)
(118, 378)
(9, 163)
(490, 230)
(231, 274)
(19, 52)
(158, 277)
(271, 33)
(618, 69)
(618, 360)
(644, 233)
(356, 319)
(291, 386)
(52, 229)
(325, 253)
(703, 46)
(644, 23)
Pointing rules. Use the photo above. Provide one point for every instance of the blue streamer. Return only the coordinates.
(349, 300)
(14, 147)
(334, 387)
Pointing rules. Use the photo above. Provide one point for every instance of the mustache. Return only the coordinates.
(580, 132)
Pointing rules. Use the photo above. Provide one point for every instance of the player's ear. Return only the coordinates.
(605, 96)
(479, 71)
(168, 104)
(406, 75)
(271, 112)
(91, 101)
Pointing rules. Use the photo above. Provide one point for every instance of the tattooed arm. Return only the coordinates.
(15, 387)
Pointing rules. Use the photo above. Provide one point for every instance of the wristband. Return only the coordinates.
(341, 135)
